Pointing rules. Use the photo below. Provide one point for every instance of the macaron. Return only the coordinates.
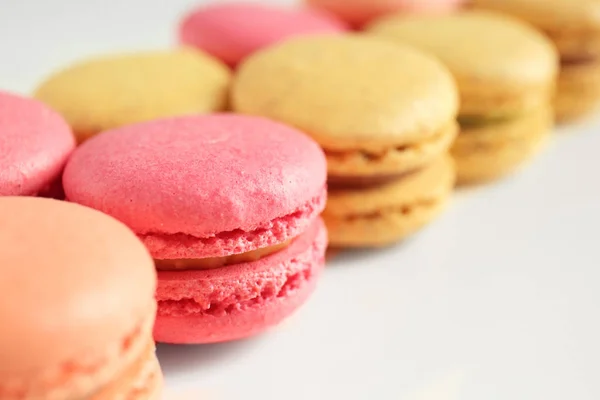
(79, 305)
(505, 71)
(35, 143)
(232, 31)
(359, 12)
(382, 113)
(574, 27)
(229, 208)
(115, 90)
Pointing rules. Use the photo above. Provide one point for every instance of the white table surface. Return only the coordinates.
(496, 300)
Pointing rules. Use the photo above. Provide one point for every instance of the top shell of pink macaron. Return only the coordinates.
(35, 143)
(200, 176)
(233, 31)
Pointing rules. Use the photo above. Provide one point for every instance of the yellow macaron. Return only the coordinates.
(574, 27)
(383, 114)
(110, 91)
(505, 71)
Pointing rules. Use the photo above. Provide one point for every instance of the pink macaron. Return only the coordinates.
(35, 143)
(228, 206)
(233, 31)
(359, 12)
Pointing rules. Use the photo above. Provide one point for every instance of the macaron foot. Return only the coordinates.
(241, 300)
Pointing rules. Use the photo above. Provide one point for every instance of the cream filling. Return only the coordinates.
(381, 154)
(217, 262)
(388, 212)
(474, 121)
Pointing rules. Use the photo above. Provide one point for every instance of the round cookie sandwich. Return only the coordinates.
(505, 71)
(385, 117)
(574, 27)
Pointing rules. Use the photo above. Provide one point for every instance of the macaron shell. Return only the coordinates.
(241, 300)
(116, 90)
(232, 31)
(348, 92)
(504, 99)
(385, 214)
(578, 91)
(576, 44)
(573, 25)
(491, 151)
(552, 14)
(225, 176)
(359, 12)
(35, 143)
(87, 306)
(513, 59)
(269, 233)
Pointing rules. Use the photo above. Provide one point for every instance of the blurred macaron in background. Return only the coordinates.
(359, 12)
(113, 90)
(574, 27)
(231, 31)
(35, 143)
(506, 74)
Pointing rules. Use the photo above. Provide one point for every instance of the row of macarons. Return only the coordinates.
(231, 31)
(384, 113)
(226, 206)
(387, 105)
(186, 230)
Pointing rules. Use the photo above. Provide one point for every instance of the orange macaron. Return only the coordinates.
(76, 322)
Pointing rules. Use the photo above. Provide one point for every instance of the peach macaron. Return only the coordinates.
(78, 324)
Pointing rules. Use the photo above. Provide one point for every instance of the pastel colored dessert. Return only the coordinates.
(229, 208)
(35, 143)
(78, 324)
(384, 115)
(115, 90)
(505, 72)
(231, 31)
(574, 27)
(359, 12)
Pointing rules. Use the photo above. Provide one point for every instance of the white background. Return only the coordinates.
(496, 300)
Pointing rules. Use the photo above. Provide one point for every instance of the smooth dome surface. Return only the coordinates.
(200, 175)
(74, 281)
